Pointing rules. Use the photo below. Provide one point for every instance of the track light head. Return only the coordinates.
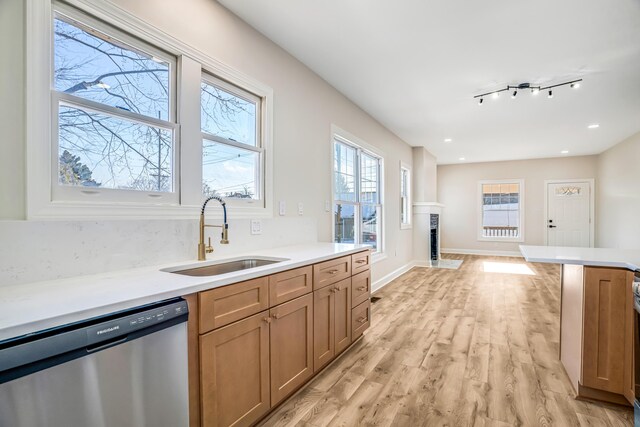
(481, 101)
(514, 94)
(550, 94)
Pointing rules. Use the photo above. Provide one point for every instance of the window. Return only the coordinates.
(357, 195)
(231, 146)
(405, 196)
(501, 210)
(113, 110)
(142, 125)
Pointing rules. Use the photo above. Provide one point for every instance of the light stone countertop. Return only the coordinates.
(597, 257)
(27, 308)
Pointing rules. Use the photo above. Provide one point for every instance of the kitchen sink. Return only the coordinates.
(227, 266)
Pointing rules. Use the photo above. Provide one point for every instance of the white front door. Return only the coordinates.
(569, 214)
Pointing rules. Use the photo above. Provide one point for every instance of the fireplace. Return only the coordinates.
(434, 244)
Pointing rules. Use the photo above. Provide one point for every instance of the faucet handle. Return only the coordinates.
(209, 249)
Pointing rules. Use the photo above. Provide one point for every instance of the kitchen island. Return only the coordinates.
(597, 318)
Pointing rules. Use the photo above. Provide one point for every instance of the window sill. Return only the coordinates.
(502, 239)
(94, 211)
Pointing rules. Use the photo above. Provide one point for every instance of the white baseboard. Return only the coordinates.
(384, 281)
(480, 252)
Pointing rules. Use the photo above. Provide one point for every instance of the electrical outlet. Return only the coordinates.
(283, 208)
(327, 206)
(256, 227)
(300, 208)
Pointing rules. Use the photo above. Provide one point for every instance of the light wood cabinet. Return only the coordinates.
(360, 319)
(332, 271)
(605, 297)
(331, 322)
(254, 343)
(234, 373)
(291, 346)
(597, 335)
(360, 262)
(360, 288)
(290, 284)
(224, 305)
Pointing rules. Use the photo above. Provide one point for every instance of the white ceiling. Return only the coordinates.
(415, 65)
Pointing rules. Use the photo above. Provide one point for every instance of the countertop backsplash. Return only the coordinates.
(47, 250)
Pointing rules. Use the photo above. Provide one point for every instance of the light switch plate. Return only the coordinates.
(256, 227)
(327, 206)
(300, 208)
(283, 208)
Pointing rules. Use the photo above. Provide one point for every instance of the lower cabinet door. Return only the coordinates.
(342, 315)
(234, 372)
(605, 294)
(291, 346)
(323, 327)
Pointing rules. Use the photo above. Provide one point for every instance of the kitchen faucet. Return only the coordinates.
(207, 249)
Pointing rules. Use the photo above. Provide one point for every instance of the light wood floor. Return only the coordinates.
(457, 348)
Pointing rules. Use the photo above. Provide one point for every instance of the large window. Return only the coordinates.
(501, 210)
(231, 146)
(141, 124)
(114, 110)
(405, 196)
(357, 195)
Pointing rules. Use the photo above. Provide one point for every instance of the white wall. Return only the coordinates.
(458, 187)
(305, 107)
(618, 196)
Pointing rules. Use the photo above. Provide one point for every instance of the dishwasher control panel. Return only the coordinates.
(136, 321)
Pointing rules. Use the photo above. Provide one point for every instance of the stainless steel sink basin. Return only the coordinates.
(226, 267)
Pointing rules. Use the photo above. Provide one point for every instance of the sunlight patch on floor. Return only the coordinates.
(508, 268)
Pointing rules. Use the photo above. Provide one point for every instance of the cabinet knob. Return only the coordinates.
(267, 319)
(275, 316)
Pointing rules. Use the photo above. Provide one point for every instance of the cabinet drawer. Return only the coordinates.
(290, 284)
(360, 319)
(332, 271)
(221, 306)
(361, 261)
(360, 288)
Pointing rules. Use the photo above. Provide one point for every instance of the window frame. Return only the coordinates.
(67, 193)
(521, 211)
(405, 168)
(190, 63)
(343, 137)
(237, 91)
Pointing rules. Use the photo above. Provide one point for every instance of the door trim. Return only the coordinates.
(592, 206)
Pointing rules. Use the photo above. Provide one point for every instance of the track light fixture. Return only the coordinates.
(575, 84)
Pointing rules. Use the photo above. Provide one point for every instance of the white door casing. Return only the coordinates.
(569, 211)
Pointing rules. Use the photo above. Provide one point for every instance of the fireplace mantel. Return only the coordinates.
(422, 212)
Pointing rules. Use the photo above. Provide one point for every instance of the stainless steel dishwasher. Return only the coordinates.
(126, 369)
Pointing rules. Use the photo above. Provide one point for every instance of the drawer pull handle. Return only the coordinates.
(362, 319)
(267, 319)
(362, 288)
(333, 271)
(361, 261)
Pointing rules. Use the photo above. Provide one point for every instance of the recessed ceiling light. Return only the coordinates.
(462, 159)
(495, 95)
(564, 152)
(575, 85)
(448, 140)
(594, 126)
